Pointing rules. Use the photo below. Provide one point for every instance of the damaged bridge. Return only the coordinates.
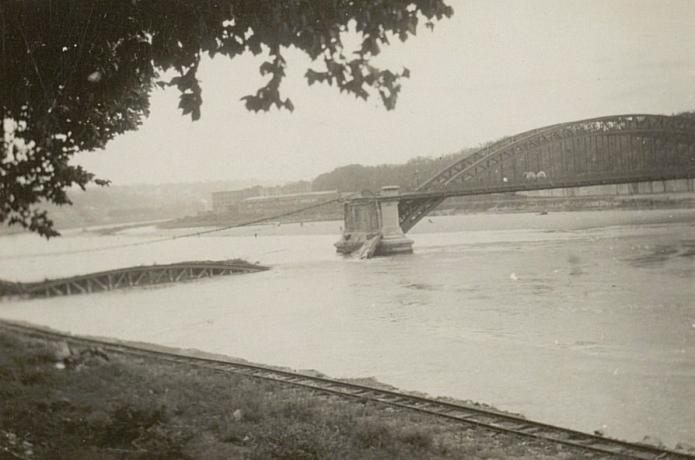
(618, 149)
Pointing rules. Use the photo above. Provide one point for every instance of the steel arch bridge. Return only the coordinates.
(597, 151)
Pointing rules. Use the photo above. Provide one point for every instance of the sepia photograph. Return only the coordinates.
(346, 229)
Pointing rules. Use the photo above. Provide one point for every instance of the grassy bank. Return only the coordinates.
(72, 403)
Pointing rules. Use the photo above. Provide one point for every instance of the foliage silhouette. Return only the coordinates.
(77, 73)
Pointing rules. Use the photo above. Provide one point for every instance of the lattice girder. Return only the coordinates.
(605, 150)
(674, 128)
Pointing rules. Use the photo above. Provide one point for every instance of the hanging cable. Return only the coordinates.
(176, 237)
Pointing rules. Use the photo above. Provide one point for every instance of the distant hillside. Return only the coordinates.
(408, 176)
(133, 203)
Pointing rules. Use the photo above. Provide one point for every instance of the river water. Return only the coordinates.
(584, 319)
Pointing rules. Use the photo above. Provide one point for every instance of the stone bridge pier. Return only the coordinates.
(374, 220)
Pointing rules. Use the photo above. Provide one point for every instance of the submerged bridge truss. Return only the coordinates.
(109, 280)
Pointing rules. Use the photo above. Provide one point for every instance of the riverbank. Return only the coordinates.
(82, 403)
(480, 204)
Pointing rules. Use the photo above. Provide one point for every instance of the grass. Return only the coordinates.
(96, 406)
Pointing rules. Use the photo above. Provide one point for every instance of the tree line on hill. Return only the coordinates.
(410, 175)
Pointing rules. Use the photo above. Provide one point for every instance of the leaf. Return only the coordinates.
(412, 24)
(266, 68)
(289, 105)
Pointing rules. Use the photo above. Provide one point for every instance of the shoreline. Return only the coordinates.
(66, 352)
(86, 403)
(480, 206)
(449, 211)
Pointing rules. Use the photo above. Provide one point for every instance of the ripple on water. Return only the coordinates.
(659, 254)
(421, 287)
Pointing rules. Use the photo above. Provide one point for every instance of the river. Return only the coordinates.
(584, 319)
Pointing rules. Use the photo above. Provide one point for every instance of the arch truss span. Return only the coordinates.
(606, 150)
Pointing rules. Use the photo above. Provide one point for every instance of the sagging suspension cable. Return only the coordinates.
(177, 237)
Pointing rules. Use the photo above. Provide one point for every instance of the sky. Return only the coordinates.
(496, 68)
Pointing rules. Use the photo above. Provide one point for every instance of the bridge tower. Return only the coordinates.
(374, 221)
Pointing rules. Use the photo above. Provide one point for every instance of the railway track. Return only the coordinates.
(467, 414)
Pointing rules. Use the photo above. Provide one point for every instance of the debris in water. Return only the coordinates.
(369, 247)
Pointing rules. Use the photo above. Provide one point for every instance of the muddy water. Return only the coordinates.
(581, 319)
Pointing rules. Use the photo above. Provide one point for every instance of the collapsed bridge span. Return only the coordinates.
(121, 278)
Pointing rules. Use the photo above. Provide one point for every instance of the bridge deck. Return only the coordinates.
(538, 184)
